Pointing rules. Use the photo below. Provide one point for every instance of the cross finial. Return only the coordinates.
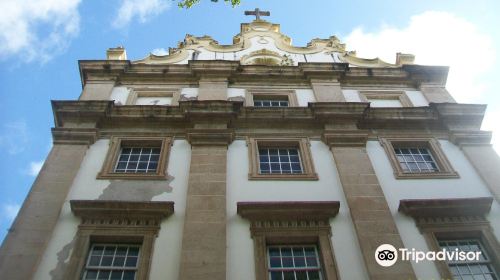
(257, 13)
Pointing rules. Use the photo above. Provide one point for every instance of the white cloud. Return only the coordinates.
(35, 167)
(10, 210)
(142, 9)
(37, 30)
(160, 51)
(14, 136)
(436, 38)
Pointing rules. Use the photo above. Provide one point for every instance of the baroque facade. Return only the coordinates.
(258, 160)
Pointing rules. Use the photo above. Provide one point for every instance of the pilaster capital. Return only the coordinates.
(212, 137)
(345, 138)
(74, 136)
(463, 138)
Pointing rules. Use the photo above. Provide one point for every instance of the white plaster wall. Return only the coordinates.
(417, 98)
(234, 92)
(384, 103)
(240, 259)
(304, 96)
(189, 92)
(86, 186)
(468, 185)
(119, 95)
(351, 95)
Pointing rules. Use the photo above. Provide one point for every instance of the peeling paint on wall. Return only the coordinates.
(135, 190)
(62, 258)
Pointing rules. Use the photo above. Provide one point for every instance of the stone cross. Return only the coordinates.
(257, 13)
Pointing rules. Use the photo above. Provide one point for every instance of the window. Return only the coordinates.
(294, 262)
(115, 239)
(385, 99)
(292, 240)
(461, 270)
(153, 96)
(417, 158)
(271, 98)
(270, 101)
(136, 158)
(457, 223)
(112, 261)
(280, 159)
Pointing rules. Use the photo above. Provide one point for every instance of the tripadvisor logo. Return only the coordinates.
(387, 255)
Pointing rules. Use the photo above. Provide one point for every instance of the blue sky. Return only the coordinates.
(41, 42)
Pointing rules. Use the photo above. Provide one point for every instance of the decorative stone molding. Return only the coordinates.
(460, 116)
(312, 212)
(445, 169)
(345, 138)
(451, 208)
(291, 222)
(303, 146)
(459, 218)
(217, 137)
(75, 136)
(115, 145)
(462, 138)
(116, 221)
(79, 112)
(112, 213)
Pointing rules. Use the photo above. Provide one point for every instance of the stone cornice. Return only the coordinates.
(125, 72)
(456, 116)
(427, 74)
(77, 121)
(75, 136)
(452, 207)
(477, 137)
(122, 209)
(288, 210)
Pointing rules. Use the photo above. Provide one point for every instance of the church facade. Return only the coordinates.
(259, 160)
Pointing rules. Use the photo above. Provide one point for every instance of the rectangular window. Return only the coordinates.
(416, 160)
(112, 261)
(417, 157)
(385, 99)
(279, 161)
(138, 160)
(270, 101)
(295, 262)
(465, 270)
(271, 98)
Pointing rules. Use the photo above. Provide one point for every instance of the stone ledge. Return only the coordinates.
(288, 210)
(452, 207)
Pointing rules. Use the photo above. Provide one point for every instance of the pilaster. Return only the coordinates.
(204, 237)
(435, 93)
(31, 231)
(327, 90)
(370, 213)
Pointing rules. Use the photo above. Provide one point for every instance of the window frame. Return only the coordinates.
(118, 222)
(291, 223)
(459, 218)
(87, 267)
(114, 151)
(289, 93)
(303, 146)
(136, 93)
(401, 96)
(445, 169)
(317, 257)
